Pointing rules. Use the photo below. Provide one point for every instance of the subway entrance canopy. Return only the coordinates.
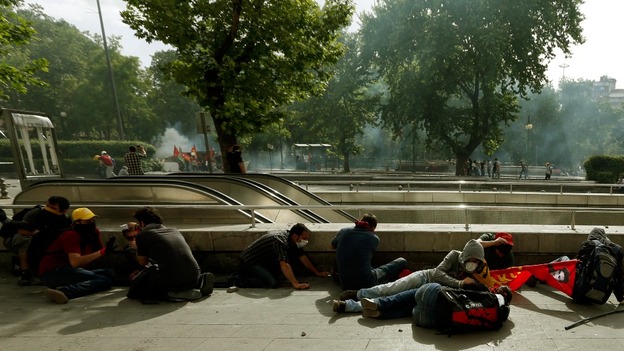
(310, 157)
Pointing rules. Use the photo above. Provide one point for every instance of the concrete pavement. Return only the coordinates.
(281, 320)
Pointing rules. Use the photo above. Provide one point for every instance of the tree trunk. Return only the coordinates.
(460, 164)
(345, 163)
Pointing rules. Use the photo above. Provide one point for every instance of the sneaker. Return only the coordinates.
(207, 283)
(349, 295)
(369, 304)
(186, 295)
(371, 313)
(25, 279)
(339, 306)
(56, 296)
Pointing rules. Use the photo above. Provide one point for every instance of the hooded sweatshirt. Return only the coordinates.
(451, 271)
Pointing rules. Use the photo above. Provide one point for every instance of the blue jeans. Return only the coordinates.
(256, 276)
(412, 281)
(389, 271)
(77, 282)
(424, 313)
(407, 283)
(398, 305)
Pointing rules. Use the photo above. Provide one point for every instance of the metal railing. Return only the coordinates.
(463, 186)
(466, 210)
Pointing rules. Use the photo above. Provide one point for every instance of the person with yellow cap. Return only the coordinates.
(63, 268)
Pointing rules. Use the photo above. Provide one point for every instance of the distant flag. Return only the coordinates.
(175, 151)
(559, 275)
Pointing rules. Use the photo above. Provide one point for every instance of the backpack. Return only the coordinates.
(107, 160)
(10, 228)
(471, 310)
(596, 273)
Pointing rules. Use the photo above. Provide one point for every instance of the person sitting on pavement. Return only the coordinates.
(65, 267)
(354, 251)
(33, 233)
(124, 263)
(174, 274)
(498, 250)
(460, 269)
(267, 259)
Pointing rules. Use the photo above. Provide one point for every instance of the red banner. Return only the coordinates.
(559, 275)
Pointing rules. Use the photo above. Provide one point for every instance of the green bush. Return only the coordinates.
(77, 157)
(604, 169)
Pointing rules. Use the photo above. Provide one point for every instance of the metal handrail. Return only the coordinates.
(360, 208)
(410, 186)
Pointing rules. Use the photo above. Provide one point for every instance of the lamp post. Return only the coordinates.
(63, 116)
(120, 128)
(528, 126)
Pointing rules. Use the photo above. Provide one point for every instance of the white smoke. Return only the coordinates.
(172, 137)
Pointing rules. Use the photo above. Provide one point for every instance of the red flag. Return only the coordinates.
(193, 152)
(559, 275)
(175, 151)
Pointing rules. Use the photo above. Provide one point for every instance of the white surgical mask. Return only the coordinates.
(302, 243)
(470, 266)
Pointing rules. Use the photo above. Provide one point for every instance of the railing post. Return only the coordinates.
(253, 218)
(511, 188)
(3, 190)
(466, 225)
(460, 184)
(573, 224)
(561, 189)
(408, 187)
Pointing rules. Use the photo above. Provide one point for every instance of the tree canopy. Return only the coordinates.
(456, 67)
(241, 59)
(17, 69)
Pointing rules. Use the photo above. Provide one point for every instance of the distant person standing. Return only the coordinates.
(235, 160)
(548, 170)
(496, 173)
(133, 159)
(524, 170)
(109, 163)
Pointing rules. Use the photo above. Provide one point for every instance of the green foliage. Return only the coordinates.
(349, 104)
(243, 59)
(17, 70)
(454, 67)
(77, 157)
(604, 169)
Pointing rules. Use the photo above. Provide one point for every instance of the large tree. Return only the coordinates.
(243, 58)
(17, 69)
(455, 67)
(348, 105)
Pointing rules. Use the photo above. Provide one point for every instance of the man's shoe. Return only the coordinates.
(339, 306)
(371, 313)
(25, 279)
(349, 295)
(186, 295)
(207, 283)
(369, 304)
(56, 296)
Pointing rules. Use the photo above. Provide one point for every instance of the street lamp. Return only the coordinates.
(63, 116)
(528, 126)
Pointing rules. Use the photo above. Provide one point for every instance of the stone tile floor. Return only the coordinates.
(281, 319)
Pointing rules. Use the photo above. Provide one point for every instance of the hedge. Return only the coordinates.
(604, 169)
(77, 157)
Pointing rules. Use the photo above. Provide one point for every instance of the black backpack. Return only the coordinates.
(471, 310)
(596, 272)
(11, 227)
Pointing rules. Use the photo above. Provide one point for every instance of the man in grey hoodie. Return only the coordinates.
(459, 269)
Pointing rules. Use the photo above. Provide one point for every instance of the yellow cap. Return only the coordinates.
(82, 213)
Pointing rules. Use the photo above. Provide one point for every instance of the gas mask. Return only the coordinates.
(471, 266)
